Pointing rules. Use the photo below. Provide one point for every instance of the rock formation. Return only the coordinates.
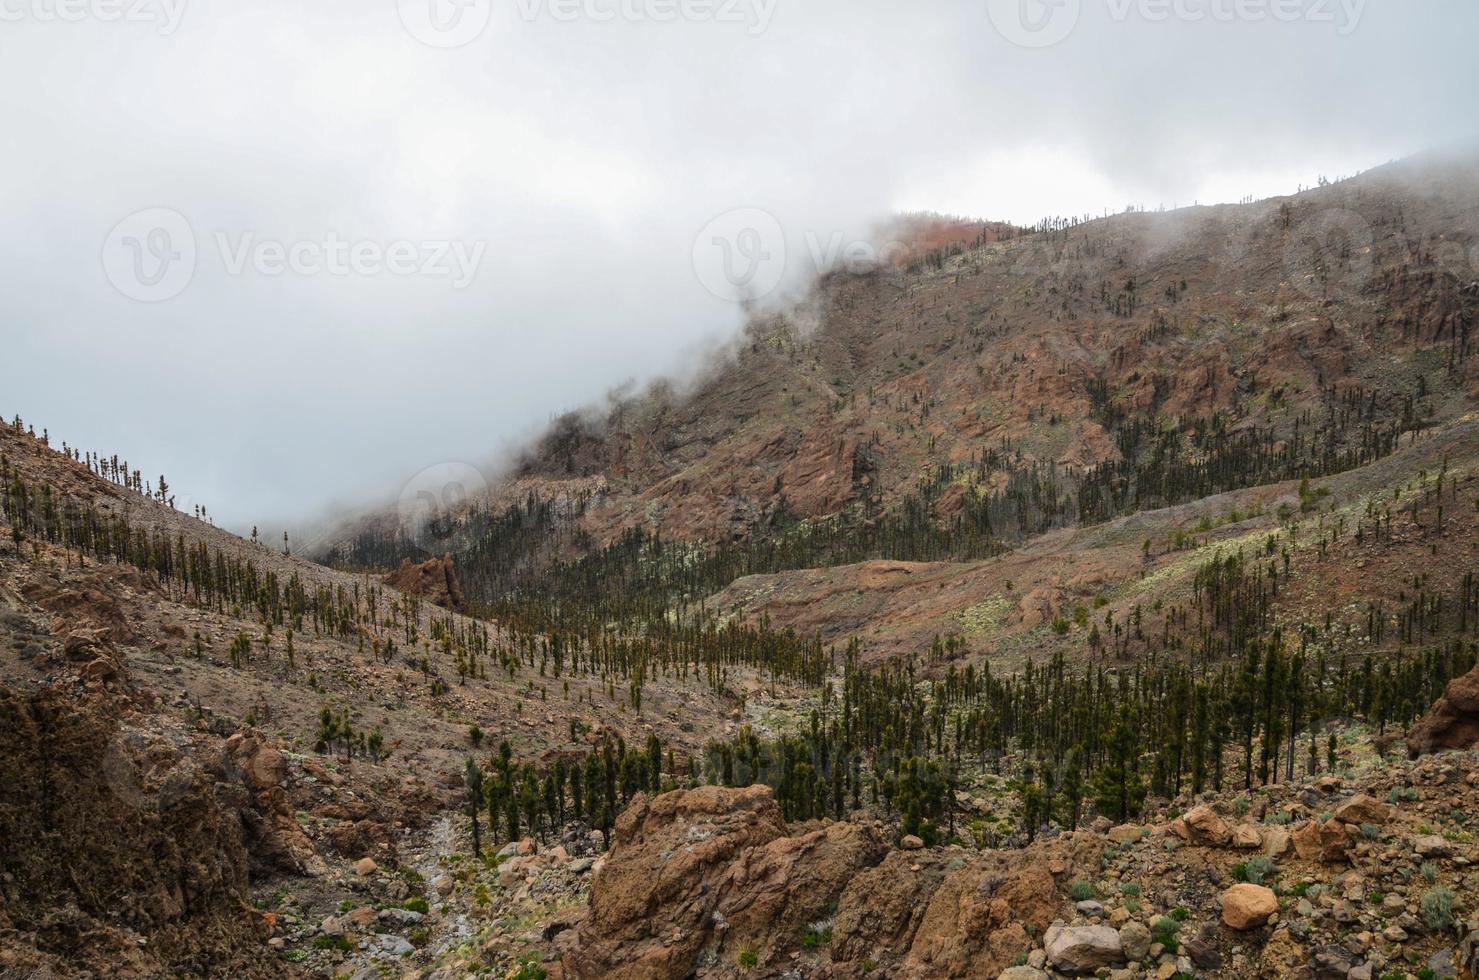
(1453, 721)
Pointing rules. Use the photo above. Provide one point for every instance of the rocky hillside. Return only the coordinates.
(1367, 876)
(1044, 602)
(209, 747)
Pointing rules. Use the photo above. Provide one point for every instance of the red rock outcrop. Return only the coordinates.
(711, 869)
(1452, 722)
(435, 580)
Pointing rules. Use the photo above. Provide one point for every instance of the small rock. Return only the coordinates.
(1247, 906)
(1021, 973)
(911, 843)
(1432, 846)
(1135, 940)
(1083, 949)
(365, 867)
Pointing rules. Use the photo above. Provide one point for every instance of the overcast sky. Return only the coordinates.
(291, 252)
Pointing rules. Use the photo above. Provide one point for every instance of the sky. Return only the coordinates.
(293, 253)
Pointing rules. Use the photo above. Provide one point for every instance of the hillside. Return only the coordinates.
(1047, 602)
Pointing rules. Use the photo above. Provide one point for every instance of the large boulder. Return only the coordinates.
(1246, 906)
(274, 837)
(883, 906)
(1452, 722)
(716, 870)
(1083, 949)
(975, 924)
(1325, 842)
(1202, 826)
(1361, 809)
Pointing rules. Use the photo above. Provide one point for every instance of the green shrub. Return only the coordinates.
(1164, 931)
(1081, 891)
(1429, 872)
(417, 903)
(748, 959)
(1131, 889)
(331, 942)
(1437, 908)
(1254, 870)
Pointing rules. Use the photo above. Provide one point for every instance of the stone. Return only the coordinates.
(1246, 837)
(365, 867)
(1135, 940)
(1432, 846)
(401, 917)
(1441, 963)
(361, 918)
(1203, 952)
(1276, 841)
(332, 926)
(911, 843)
(1206, 828)
(1331, 963)
(1316, 841)
(1247, 906)
(1083, 949)
(1453, 721)
(1021, 973)
(1361, 809)
(1090, 909)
